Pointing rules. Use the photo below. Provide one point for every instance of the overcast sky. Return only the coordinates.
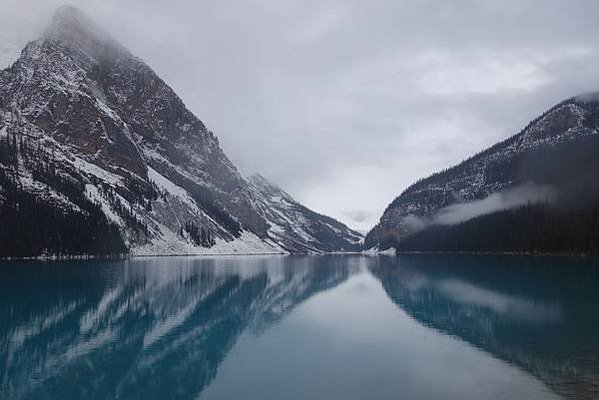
(344, 103)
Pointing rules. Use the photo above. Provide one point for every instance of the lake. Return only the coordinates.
(301, 327)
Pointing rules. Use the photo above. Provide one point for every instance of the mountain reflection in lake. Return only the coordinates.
(327, 327)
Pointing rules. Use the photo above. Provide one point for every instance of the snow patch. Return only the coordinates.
(172, 244)
(93, 194)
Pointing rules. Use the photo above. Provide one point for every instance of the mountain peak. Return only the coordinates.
(69, 12)
(69, 17)
(72, 26)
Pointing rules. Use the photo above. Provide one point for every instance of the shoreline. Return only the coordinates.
(498, 253)
(121, 257)
(140, 256)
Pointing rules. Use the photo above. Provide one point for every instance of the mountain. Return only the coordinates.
(98, 155)
(554, 160)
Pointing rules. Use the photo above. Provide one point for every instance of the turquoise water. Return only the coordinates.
(322, 327)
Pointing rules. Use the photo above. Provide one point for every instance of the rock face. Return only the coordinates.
(85, 126)
(559, 148)
(295, 225)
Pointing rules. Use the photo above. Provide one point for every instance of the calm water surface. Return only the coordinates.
(330, 327)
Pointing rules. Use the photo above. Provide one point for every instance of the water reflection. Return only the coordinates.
(537, 313)
(166, 328)
(142, 330)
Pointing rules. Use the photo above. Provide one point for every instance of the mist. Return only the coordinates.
(524, 194)
(528, 193)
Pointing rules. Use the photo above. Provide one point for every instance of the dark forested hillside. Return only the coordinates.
(527, 229)
(33, 225)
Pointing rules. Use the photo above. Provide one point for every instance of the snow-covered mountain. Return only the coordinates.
(99, 155)
(555, 152)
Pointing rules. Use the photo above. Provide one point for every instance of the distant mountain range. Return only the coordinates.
(537, 191)
(98, 155)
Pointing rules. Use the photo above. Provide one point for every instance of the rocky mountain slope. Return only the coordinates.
(556, 152)
(94, 140)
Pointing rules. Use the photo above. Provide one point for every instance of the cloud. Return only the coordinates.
(518, 196)
(414, 223)
(479, 73)
(358, 215)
